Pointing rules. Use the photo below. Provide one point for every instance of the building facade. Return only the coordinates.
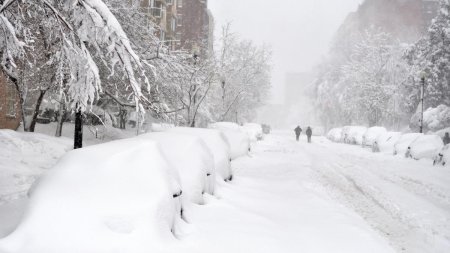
(196, 26)
(10, 110)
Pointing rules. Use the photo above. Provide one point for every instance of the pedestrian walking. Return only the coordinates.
(309, 134)
(298, 131)
(446, 139)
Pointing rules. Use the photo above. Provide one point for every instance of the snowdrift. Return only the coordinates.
(38, 152)
(371, 135)
(385, 142)
(254, 131)
(193, 161)
(425, 146)
(217, 144)
(401, 146)
(161, 127)
(116, 196)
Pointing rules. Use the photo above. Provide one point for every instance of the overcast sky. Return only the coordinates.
(298, 31)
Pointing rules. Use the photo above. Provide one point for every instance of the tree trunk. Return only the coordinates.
(78, 138)
(61, 118)
(36, 111)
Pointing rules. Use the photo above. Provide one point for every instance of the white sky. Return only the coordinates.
(298, 31)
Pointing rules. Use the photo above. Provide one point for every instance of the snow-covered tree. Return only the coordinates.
(430, 57)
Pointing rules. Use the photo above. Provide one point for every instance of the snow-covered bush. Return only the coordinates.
(442, 132)
(355, 135)
(371, 135)
(193, 161)
(335, 135)
(426, 146)
(120, 195)
(401, 146)
(218, 145)
(385, 142)
(254, 131)
(434, 119)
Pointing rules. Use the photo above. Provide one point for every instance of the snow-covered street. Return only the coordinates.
(326, 197)
(290, 196)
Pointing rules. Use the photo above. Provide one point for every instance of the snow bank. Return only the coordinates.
(254, 131)
(335, 135)
(238, 140)
(355, 134)
(425, 146)
(434, 119)
(193, 161)
(115, 196)
(161, 127)
(24, 157)
(442, 132)
(385, 142)
(371, 135)
(218, 145)
(401, 146)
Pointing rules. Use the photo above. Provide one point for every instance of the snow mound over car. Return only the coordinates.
(193, 161)
(425, 146)
(401, 146)
(120, 195)
(238, 140)
(443, 158)
(254, 131)
(353, 134)
(335, 135)
(385, 142)
(38, 152)
(217, 144)
(371, 135)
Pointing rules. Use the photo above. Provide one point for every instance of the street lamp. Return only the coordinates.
(422, 99)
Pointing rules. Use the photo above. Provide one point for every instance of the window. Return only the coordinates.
(170, 2)
(179, 20)
(173, 24)
(180, 3)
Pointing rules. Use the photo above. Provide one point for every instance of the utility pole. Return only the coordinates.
(422, 99)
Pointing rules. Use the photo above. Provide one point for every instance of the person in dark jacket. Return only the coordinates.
(309, 134)
(297, 131)
(446, 139)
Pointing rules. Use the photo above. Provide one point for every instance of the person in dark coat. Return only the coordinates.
(446, 139)
(309, 134)
(297, 131)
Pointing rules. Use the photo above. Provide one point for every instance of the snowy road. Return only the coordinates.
(295, 197)
(326, 197)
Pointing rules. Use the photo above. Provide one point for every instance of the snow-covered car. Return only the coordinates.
(401, 146)
(238, 139)
(335, 135)
(354, 135)
(193, 161)
(217, 143)
(119, 195)
(371, 135)
(254, 131)
(443, 158)
(161, 127)
(385, 142)
(239, 143)
(425, 146)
